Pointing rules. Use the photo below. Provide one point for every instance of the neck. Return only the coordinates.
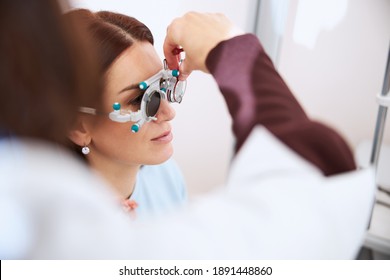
(121, 177)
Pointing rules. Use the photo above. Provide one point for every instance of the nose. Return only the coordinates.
(165, 111)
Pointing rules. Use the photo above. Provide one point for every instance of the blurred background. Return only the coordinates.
(331, 53)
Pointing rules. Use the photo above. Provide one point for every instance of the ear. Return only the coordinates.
(79, 134)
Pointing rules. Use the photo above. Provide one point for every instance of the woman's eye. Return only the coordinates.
(136, 101)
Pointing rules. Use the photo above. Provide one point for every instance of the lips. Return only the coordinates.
(164, 137)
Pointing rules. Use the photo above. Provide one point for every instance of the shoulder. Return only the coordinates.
(43, 182)
(39, 167)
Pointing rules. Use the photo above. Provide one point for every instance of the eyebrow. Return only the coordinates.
(130, 87)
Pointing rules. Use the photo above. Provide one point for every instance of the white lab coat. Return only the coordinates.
(275, 205)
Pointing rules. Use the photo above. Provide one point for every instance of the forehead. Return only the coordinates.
(135, 64)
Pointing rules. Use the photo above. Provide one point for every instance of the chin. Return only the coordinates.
(160, 157)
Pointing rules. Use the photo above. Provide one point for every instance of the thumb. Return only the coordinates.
(185, 70)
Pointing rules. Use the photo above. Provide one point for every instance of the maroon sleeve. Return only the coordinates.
(256, 95)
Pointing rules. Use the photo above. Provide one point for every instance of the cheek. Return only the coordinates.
(109, 135)
(116, 141)
(112, 130)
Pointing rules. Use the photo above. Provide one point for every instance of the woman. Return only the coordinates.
(137, 165)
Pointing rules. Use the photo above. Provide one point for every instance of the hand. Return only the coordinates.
(197, 34)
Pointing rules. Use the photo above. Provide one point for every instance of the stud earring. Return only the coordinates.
(85, 150)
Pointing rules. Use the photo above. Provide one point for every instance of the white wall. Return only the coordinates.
(333, 56)
(203, 139)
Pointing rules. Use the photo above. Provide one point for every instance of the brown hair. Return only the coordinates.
(47, 70)
(112, 33)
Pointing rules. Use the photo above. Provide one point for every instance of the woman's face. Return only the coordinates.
(113, 141)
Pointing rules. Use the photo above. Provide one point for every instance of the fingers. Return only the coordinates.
(171, 44)
(171, 58)
(197, 34)
(174, 61)
(184, 70)
(172, 55)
